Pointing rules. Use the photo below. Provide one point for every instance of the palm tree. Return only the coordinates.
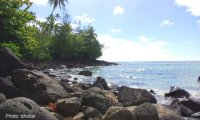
(56, 3)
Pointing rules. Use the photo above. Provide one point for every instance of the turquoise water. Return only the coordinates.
(158, 76)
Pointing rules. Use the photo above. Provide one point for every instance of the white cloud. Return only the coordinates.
(143, 49)
(166, 23)
(84, 18)
(116, 30)
(118, 10)
(40, 2)
(192, 6)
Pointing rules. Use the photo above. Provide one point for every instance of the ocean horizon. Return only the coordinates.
(150, 75)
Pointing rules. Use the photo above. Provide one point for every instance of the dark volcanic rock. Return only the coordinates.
(22, 106)
(131, 96)
(85, 73)
(146, 111)
(101, 83)
(90, 112)
(69, 106)
(177, 92)
(9, 62)
(37, 86)
(7, 88)
(2, 98)
(100, 99)
(192, 104)
(118, 113)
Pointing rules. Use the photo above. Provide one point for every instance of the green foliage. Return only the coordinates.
(56, 3)
(13, 47)
(14, 28)
(35, 40)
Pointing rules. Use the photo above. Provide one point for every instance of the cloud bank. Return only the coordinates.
(143, 49)
(192, 6)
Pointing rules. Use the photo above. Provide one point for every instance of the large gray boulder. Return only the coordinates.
(193, 104)
(118, 113)
(69, 106)
(23, 108)
(7, 88)
(177, 92)
(9, 62)
(131, 96)
(100, 99)
(146, 111)
(37, 86)
(167, 114)
(101, 83)
(91, 112)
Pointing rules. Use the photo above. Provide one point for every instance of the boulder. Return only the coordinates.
(100, 99)
(23, 108)
(101, 83)
(196, 115)
(9, 62)
(146, 111)
(69, 106)
(38, 86)
(2, 98)
(131, 96)
(91, 112)
(193, 104)
(165, 113)
(199, 78)
(7, 88)
(177, 92)
(118, 113)
(85, 73)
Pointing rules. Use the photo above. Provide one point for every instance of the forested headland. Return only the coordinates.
(32, 39)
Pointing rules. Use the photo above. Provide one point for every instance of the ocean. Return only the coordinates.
(158, 76)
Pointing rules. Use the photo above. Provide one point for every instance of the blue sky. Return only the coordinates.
(138, 30)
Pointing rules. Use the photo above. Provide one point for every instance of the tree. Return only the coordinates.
(14, 28)
(56, 3)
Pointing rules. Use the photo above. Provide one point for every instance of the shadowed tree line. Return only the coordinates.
(50, 40)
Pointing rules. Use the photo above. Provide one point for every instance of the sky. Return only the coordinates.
(137, 30)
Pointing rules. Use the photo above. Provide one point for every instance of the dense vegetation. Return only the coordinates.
(36, 40)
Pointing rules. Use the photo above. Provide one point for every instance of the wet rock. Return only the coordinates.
(67, 87)
(91, 112)
(69, 106)
(146, 111)
(193, 104)
(23, 108)
(131, 96)
(38, 86)
(100, 99)
(196, 115)
(166, 113)
(118, 113)
(85, 73)
(180, 109)
(177, 92)
(101, 83)
(2, 98)
(7, 88)
(9, 62)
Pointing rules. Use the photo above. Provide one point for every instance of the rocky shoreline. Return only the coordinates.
(26, 93)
